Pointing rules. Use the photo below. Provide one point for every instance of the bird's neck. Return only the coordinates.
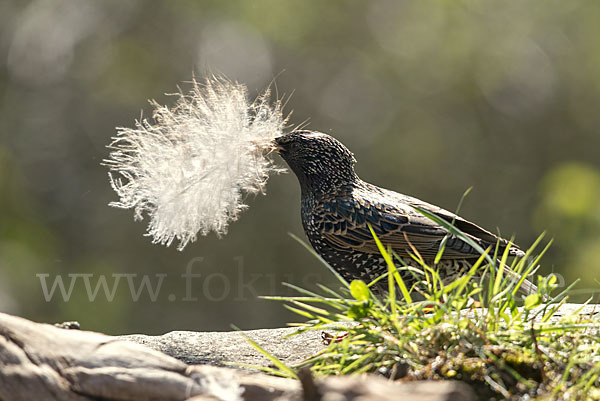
(327, 186)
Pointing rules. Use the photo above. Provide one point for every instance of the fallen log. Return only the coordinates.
(44, 362)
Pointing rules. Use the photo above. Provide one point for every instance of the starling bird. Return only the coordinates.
(337, 207)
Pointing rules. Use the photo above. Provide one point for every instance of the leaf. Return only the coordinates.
(463, 324)
(532, 301)
(357, 312)
(360, 291)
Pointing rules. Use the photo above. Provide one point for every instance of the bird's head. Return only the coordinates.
(320, 161)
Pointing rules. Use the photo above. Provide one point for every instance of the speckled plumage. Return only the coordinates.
(337, 207)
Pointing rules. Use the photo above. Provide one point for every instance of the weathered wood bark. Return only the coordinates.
(43, 362)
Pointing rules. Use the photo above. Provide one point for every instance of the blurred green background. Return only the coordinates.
(432, 96)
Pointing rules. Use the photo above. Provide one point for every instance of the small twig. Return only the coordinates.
(538, 353)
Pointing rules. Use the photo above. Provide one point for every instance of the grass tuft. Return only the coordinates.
(477, 329)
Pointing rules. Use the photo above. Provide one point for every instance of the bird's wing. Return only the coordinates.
(344, 222)
(467, 227)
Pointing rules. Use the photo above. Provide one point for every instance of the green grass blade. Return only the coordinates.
(283, 368)
(316, 255)
(392, 267)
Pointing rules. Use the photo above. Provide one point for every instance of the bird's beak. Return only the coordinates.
(277, 147)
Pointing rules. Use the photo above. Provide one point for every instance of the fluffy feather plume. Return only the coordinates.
(190, 168)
